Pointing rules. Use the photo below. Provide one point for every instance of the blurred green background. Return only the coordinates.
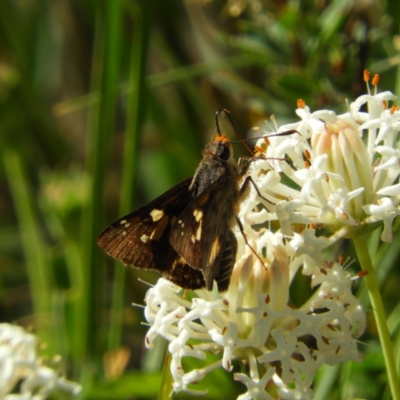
(106, 104)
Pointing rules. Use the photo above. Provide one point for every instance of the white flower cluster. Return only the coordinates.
(19, 365)
(344, 183)
(254, 323)
(324, 176)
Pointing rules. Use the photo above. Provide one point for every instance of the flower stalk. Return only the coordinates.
(379, 314)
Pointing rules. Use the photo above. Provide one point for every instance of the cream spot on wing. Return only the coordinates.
(198, 214)
(180, 222)
(144, 238)
(214, 250)
(156, 215)
(193, 238)
(127, 225)
(160, 228)
(198, 232)
(123, 221)
(123, 233)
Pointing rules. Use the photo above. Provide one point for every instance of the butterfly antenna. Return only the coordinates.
(224, 112)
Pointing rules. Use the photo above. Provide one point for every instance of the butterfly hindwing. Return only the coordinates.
(201, 232)
(183, 275)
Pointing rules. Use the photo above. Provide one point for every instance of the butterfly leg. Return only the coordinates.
(247, 242)
(244, 190)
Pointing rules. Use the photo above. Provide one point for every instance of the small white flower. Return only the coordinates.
(255, 385)
(288, 214)
(384, 211)
(308, 249)
(337, 205)
(314, 176)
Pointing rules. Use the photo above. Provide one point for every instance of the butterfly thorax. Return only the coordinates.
(218, 164)
(202, 235)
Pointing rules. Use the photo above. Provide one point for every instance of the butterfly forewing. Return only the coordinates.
(141, 239)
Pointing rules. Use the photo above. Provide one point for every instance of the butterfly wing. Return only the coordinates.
(202, 233)
(141, 239)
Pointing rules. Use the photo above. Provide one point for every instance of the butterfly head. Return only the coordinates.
(219, 147)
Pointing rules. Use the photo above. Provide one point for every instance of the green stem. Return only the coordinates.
(135, 118)
(166, 383)
(328, 377)
(380, 317)
(102, 118)
(36, 256)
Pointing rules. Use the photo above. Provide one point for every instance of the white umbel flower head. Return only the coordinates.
(254, 323)
(19, 364)
(345, 166)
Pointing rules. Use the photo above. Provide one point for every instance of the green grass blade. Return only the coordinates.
(36, 257)
(108, 54)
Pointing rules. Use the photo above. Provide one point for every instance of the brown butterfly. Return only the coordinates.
(186, 233)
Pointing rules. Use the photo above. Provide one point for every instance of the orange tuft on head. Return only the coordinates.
(221, 138)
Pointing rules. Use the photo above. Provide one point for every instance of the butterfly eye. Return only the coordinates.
(223, 152)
